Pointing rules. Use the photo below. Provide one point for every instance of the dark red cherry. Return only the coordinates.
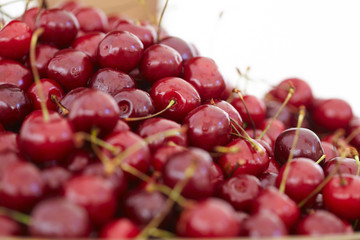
(15, 73)
(78, 160)
(15, 40)
(95, 194)
(43, 53)
(240, 191)
(274, 166)
(245, 161)
(208, 127)
(121, 50)
(346, 166)
(272, 200)
(268, 179)
(94, 109)
(91, 19)
(29, 17)
(8, 157)
(304, 176)
(286, 116)
(321, 222)
(275, 129)
(9, 141)
(88, 44)
(55, 178)
(9, 228)
(204, 75)
(160, 61)
(329, 150)
(21, 186)
(154, 126)
(44, 141)
(69, 5)
(302, 95)
(233, 113)
(202, 219)
(263, 224)
(308, 145)
(134, 103)
(121, 228)
(146, 33)
(14, 105)
(332, 114)
(70, 97)
(60, 27)
(184, 94)
(163, 154)
(254, 105)
(71, 68)
(186, 50)
(111, 81)
(59, 218)
(49, 88)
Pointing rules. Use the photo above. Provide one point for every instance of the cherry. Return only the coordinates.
(71, 68)
(121, 126)
(78, 160)
(111, 81)
(321, 222)
(341, 196)
(303, 177)
(121, 228)
(186, 50)
(233, 113)
(332, 114)
(29, 17)
(95, 194)
(246, 160)
(60, 27)
(286, 116)
(15, 40)
(240, 191)
(160, 61)
(162, 155)
(69, 5)
(208, 126)
(134, 103)
(91, 19)
(54, 178)
(8, 157)
(268, 179)
(211, 218)
(59, 218)
(308, 145)
(9, 141)
(43, 53)
(70, 97)
(204, 75)
(279, 204)
(302, 95)
(9, 228)
(185, 95)
(21, 186)
(329, 150)
(14, 105)
(263, 224)
(88, 44)
(156, 125)
(146, 33)
(199, 185)
(94, 108)
(275, 129)
(255, 108)
(121, 50)
(45, 141)
(50, 88)
(343, 166)
(15, 73)
(114, 20)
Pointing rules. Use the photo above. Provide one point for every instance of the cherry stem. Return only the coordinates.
(290, 94)
(63, 110)
(291, 154)
(171, 103)
(320, 159)
(34, 39)
(160, 20)
(80, 136)
(238, 92)
(232, 149)
(15, 215)
(109, 169)
(183, 202)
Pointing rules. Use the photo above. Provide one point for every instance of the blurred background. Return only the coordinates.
(318, 41)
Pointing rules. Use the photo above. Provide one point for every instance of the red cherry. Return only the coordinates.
(121, 228)
(185, 95)
(268, 179)
(162, 155)
(71, 68)
(69, 5)
(275, 129)
(60, 27)
(121, 126)
(46, 141)
(186, 50)
(9, 141)
(43, 53)
(49, 88)
(286, 116)
(114, 20)
(29, 17)
(78, 160)
(346, 166)
(202, 220)
(15, 73)
(329, 150)
(255, 106)
(91, 19)
(111, 81)
(208, 126)
(59, 218)
(146, 33)
(121, 50)
(8, 157)
(204, 75)
(88, 44)
(55, 178)
(70, 97)
(233, 113)
(95, 194)
(9, 228)
(15, 40)
(332, 114)
(160, 61)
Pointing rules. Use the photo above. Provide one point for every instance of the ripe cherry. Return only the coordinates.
(121, 228)
(29, 17)
(70, 97)
(69, 5)
(341, 165)
(43, 53)
(55, 178)
(88, 44)
(233, 113)
(163, 154)
(275, 129)
(186, 50)
(9, 228)
(146, 33)
(15, 73)
(9, 141)
(8, 157)
(91, 19)
(329, 150)
(255, 106)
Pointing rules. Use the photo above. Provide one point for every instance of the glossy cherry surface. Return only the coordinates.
(88, 44)
(329, 150)
(186, 50)
(162, 155)
(145, 33)
(254, 105)
(15, 73)
(43, 53)
(340, 165)
(29, 17)
(122, 228)
(55, 178)
(91, 19)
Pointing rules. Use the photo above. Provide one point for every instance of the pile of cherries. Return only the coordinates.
(111, 128)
